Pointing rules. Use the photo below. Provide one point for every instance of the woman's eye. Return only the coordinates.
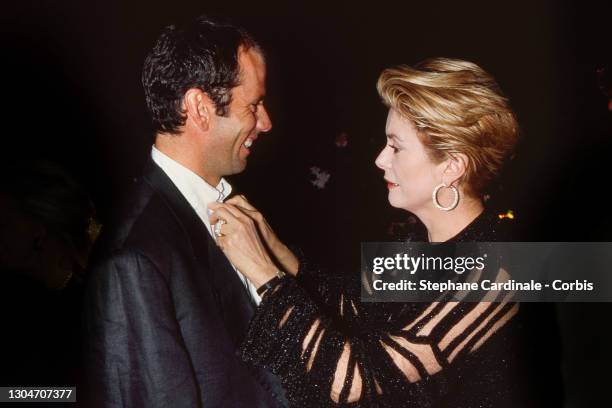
(395, 149)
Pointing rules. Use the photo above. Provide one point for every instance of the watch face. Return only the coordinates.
(280, 273)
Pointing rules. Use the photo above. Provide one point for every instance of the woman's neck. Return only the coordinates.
(443, 225)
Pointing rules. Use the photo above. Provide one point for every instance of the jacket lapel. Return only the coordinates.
(236, 305)
(187, 217)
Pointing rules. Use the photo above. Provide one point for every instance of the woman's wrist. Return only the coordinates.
(270, 283)
(266, 273)
(287, 260)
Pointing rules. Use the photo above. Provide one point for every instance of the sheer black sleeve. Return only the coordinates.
(330, 349)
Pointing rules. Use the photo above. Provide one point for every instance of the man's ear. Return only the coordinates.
(198, 107)
(455, 168)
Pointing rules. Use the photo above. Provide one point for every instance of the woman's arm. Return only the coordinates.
(358, 352)
(330, 348)
(281, 254)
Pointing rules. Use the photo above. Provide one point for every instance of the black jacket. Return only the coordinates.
(165, 312)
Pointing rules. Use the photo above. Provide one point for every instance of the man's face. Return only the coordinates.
(234, 135)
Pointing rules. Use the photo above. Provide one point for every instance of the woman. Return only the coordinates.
(449, 130)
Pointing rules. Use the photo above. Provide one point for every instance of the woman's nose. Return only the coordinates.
(382, 161)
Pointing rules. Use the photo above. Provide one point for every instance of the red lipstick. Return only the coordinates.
(391, 185)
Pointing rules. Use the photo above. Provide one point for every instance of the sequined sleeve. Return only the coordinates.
(330, 349)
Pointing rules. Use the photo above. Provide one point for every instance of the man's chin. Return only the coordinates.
(239, 167)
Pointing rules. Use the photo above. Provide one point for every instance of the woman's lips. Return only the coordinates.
(391, 185)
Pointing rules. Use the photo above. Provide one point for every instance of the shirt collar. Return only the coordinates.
(195, 190)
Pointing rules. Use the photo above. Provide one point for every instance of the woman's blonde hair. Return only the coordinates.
(456, 107)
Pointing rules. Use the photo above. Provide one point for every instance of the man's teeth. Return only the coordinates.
(248, 143)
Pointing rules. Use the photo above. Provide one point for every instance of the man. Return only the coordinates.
(165, 310)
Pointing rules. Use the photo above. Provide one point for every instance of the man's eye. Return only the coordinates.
(253, 107)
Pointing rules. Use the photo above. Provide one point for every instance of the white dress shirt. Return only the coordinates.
(199, 194)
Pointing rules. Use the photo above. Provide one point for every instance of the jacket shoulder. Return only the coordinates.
(145, 224)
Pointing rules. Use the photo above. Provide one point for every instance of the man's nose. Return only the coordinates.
(264, 123)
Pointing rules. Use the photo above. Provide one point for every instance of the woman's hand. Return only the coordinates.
(287, 261)
(239, 240)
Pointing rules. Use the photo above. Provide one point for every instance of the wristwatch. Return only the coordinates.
(272, 283)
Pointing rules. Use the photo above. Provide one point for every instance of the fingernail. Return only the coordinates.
(210, 212)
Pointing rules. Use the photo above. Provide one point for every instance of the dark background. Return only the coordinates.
(72, 94)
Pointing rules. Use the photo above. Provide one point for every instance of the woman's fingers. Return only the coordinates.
(239, 239)
(230, 217)
(234, 210)
(219, 213)
(241, 201)
(222, 221)
(217, 209)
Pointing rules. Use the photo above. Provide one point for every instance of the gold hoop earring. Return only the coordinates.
(434, 197)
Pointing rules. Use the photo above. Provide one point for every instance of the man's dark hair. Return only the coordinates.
(202, 54)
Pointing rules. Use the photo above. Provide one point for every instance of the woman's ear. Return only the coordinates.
(198, 108)
(456, 166)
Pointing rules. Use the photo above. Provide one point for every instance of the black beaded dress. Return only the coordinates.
(454, 354)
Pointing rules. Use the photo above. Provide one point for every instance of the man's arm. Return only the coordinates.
(135, 352)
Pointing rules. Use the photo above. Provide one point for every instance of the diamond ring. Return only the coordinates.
(218, 226)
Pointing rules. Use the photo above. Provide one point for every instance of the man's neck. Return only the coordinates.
(185, 155)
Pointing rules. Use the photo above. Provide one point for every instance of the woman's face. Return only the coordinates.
(410, 174)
